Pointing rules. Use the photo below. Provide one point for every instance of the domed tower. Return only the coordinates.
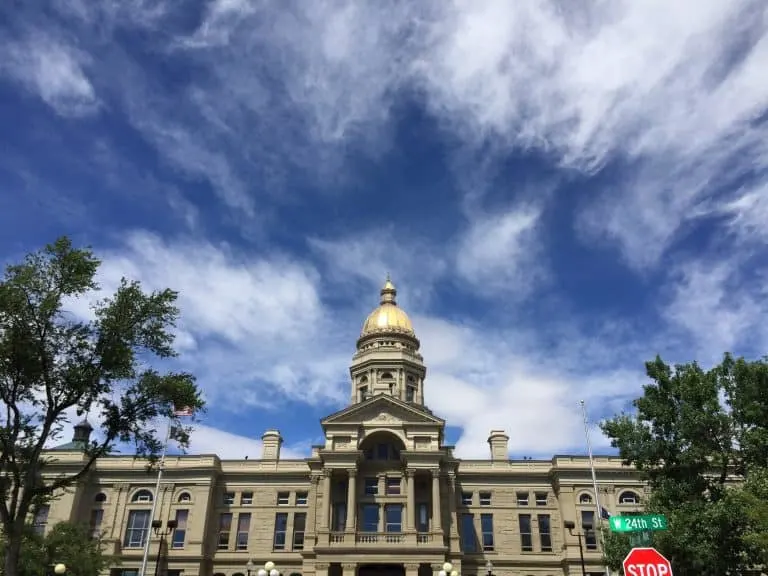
(387, 360)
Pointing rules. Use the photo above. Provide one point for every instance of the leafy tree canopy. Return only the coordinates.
(66, 543)
(53, 363)
(700, 437)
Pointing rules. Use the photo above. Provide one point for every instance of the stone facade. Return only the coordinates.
(383, 494)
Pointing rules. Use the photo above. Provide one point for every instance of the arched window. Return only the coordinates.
(238, 574)
(185, 497)
(142, 496)
(100, 498)
(585, 499)
(629, 497)
(386, 376)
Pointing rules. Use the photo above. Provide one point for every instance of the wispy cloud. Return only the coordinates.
(53, 70)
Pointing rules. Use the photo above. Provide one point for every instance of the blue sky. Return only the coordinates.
(560, 191)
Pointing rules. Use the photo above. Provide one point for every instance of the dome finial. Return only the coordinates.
(388, 292)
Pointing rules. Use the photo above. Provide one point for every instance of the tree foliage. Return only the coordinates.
(53, 363)
(66, 543)
(700, 437)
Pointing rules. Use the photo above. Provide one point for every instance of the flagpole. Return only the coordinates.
(155, 498)
(598, 508)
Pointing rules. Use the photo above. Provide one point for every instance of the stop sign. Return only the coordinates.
(646, 562)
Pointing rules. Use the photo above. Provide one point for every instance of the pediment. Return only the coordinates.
(382, 409)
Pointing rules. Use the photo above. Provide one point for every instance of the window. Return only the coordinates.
(522, 498)
(41, 519)
(100, 498)
(137, 529)
(545, 533)
(588, 525)
(485, 498)
(185, 497)
(386, 376)
(281, 525)
(393, 514)
(370, 518)
(541, 498)
(243, 527)
(94, 524)
(382, 451)
(225, 527)
(410, 393)
(585, 499)
(229, 498)
(246, 498)
(142, 496)
(629, 497)
(393, 486)
(339, 516)
(526, 538)
(371, 486)
(422, 517)
(486, 527)
(180, 534)
(301, 498)
(468, 534)
(299, 526)
(466, 498)
(364, 393)
(283, 498)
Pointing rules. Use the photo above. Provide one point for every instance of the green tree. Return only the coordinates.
(52, 363)
(699, 437)
(67, 543)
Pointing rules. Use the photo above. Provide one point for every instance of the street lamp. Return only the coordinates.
(489, 567)
(249, 566)
(448, 570)
(268, 570)
(157, 525)
(585, 526)
(59, 569)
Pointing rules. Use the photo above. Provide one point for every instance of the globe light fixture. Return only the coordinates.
(59, 569)
(268, 570)
(448, 570)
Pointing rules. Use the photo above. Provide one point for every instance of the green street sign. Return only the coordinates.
(638, 523)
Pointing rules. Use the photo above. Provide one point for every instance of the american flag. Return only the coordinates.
(183, 411)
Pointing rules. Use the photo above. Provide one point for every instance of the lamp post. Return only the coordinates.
(585, 526)
(157, 526)
(59, 569)
(489, 568)
(448, 570)
(249, 566)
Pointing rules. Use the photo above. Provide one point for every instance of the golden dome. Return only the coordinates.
(388, 317)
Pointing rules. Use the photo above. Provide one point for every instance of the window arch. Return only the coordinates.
(100, 498)
(238, 574)
(184, 497)
(142, 496)
(585, 499)
(629, 497)
(386, 376)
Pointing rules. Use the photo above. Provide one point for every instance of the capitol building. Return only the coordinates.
(384, 495)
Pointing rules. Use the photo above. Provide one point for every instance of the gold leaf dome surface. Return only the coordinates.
(388, 317)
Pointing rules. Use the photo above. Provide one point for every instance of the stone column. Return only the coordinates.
(436, 508)
(411, 569)
(324, 520)
(351, 503)
(410, 503)
(314, 482)
(349, 568)
(454, 519)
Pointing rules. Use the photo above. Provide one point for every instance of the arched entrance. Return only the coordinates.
(381, 570)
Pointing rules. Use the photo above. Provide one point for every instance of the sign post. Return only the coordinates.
(646, 562)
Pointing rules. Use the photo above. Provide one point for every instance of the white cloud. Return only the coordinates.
(209, 440)
(712, 305)
(501, 253)
(671, 91)
(53, 71)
